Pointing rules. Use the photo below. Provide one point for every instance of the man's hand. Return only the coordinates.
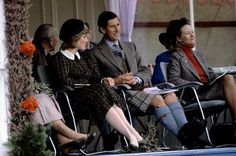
(126, 78)
(110, 81)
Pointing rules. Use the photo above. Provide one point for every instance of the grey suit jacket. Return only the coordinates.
(110, 65)
(181, 71)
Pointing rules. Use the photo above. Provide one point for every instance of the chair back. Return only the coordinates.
(45, 75)
(163, 66)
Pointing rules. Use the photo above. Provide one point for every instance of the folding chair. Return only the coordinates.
(64, 101)
(46, 78)
(209, 108)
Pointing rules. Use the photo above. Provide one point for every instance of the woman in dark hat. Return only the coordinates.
(73, 65)
(45, 40)
(187, 65)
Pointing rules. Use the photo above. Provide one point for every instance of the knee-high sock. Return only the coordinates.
(117, 123)
(164, 116)
(178, 113)
(131, 128)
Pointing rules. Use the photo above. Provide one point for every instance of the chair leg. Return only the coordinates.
(53, 146)
(164, 134)
(72, 114)
(203, 116)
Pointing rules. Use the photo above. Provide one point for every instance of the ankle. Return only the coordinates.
(133, 140)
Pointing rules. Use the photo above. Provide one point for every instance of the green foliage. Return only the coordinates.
(31, 141)
(152, 142)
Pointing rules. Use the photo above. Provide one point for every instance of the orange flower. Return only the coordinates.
(27, 48)
(29, 104)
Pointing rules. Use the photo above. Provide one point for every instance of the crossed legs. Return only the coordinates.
(65, 134)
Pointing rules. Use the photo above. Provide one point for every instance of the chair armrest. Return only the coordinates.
(188, 85)
(123, 87)
(80, 85)
(74, 86)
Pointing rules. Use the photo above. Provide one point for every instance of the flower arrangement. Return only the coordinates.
(26, 138)
(30, 104)
(27, 48)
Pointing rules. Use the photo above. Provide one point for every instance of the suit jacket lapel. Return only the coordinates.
(189, 65)
(108, 54)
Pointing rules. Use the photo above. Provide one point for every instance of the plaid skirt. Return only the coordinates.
(94, 100)
(139, 99)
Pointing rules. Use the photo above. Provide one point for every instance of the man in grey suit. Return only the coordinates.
(121, 61)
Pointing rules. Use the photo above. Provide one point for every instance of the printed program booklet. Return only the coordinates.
(156, 90)
(220, 76)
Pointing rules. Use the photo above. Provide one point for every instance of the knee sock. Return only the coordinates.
(178, 113)
(164, 116)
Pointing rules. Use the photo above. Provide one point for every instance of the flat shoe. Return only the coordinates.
(194, 129)
(133, 147)
(73, 145)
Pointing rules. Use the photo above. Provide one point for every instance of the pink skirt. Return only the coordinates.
(48, 110)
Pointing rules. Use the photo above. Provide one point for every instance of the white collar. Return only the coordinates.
(70, 55)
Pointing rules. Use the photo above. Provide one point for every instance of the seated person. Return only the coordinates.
(157, 76)
(67, 138)
(74, 65)
(121, 61)
(187, 65)
(45, 40)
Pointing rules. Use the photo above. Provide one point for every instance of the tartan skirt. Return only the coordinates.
(94, 100)
(139, 99)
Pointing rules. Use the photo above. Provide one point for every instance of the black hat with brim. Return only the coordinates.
(70, 28)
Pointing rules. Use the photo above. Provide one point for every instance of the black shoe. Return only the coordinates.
(194, 129)
(90, 138)
(133, 147)
(73, 145)
(188, 134)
